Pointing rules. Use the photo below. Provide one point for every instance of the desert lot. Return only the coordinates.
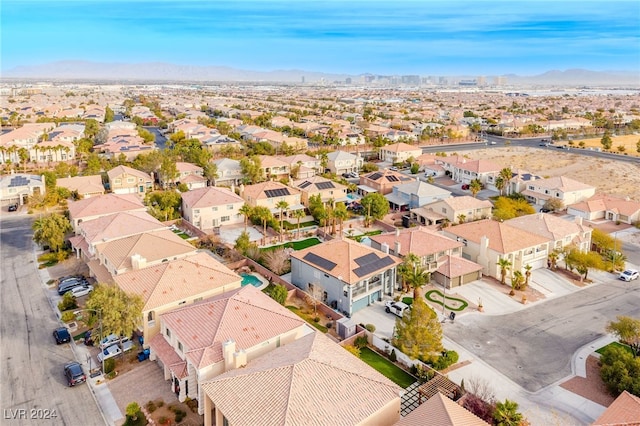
(609, 176)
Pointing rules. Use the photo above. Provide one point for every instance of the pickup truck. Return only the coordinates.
(396, 308)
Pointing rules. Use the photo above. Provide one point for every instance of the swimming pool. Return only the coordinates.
(250, 279)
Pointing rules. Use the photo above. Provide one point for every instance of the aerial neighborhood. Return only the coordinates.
(333, 255)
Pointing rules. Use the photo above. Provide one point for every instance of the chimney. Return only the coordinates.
(228, 349)
(138, 262)
(241, 188)
(397, 232)
(385, 248)
(397, 248)
(484, 246)
(579, 220)
(240, 359)
(233, 187)
(533, 178)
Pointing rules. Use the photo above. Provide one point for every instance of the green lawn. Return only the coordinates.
(387, 368)
(359, 238)
(615, 345)
(294, 226)
(181, 234)
(297, 245)
(307, 318)
(461, 304)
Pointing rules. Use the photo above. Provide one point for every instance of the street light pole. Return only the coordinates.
(100, 325)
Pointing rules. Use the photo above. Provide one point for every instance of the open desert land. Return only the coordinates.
(609, 176)
(629, 142)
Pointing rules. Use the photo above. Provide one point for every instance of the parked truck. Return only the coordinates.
(396, 308)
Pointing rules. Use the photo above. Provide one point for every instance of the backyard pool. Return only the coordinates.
(250, 279)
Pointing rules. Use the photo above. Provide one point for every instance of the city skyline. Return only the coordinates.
(407, 37)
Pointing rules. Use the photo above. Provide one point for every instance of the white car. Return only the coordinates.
(396, 308)
(629, 275)
(81, 291)
(115, 350)
(112, 339)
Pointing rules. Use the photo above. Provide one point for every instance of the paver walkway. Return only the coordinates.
(142, 384)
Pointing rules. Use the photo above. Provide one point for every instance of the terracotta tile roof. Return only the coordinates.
(99, 272)
(561, 183)
(177, 280)
(344, 253)
(120, 170)
(464, 202)
(246, 315)
(192, 179)
(456, 266)
(82, 184)
(441, 411)
(419, 241)
(604, 202)
(547, 225)
(502, 237)
(153, 246)
(105, 204)
(311, 381)
(168, 356)
(187, 167)
(118, 225)
(210, 196)
(400, 147)
(624, 411)
(257, 191)
(270, 161)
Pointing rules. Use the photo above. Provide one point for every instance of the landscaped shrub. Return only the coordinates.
(424, 374)
(392, 356)
(479, 407)
(278, 292)
(68, 302)
(620, 371)
(355, 351)
(370, 328)
(68, 316)
(163, 420)
(151, 406)
(180, 415)
(192, 404)
(444, 361)
(109, 365)
(361, 342)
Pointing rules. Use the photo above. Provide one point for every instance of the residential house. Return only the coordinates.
(188, 174)
(102, 205)
(52, 152)
(203, 340)
(487, 241)
(439, 410)
(302, 165)
(309, 381)
(399, 152)
(560, 232)
(274, 168)
(84, 186)
(318, 185)
(452, 210)
(464, 170)
(518, 183)
(415, 194)
(269, 194)
(381, 181)
(340, 162)
(125, 180)
(23, 137)
(16, 188)
(439, 255)
(569, 191)
(111, 227)
(607, 207)
(174, 284)
(348, 275)
(624, 411)
(229, 172)
(211, 207)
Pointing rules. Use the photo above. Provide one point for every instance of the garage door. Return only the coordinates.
(375, 296)
(359, 304)
(466, 279)
(541, 263)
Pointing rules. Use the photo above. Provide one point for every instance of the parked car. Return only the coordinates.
(543, 210)
(465, 186)
(13, 208)
(394, 168)
(112, 339)
(492, 143)
(81, 291)
(115, 350)
(74, 373)
(346, 175)
(61, 335)
(70, 285)
(353, 175)
(396, 308)
(629, 275)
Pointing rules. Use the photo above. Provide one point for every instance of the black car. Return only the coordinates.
(61, 335)
(543, 210)
(66, 286)
(74, 373)
(13, 208)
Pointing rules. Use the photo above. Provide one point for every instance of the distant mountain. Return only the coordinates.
(158, 71)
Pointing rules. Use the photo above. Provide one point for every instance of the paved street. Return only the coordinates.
(31, 376)
(533, 347)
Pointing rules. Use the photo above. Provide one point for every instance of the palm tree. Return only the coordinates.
(553, 258)
(264, 215)
(282, 205)
(298, 214)
(409, 262)
(506, 414)
(445, 223)
(500, 184)
(246, 210)
(417, 278)
(461, 218)
(504, 265)
(527, 274)
(516, 282)
(475, 186)
(340, 213)
(506, 176)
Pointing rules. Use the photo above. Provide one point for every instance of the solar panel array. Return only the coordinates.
(392, 178)
(367, 258)
(375, 176)
(319, 261)
(271, 193)
(304, 184)
(18, 181)
(325, 185)
(376, 265)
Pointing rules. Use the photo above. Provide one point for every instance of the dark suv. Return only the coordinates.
(13, 208)
(74, 373)
(61, 335)
(71, 283)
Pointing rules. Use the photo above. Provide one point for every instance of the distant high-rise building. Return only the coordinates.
(467, 83)
(348, 80)
(481, 80)
(500, 80)
(442, 80)
(303, 79)
(413, 80)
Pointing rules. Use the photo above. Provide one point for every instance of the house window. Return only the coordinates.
(224, 219)
(197, 211)
(197, 299)
(151, 318)
(531, 188)
(229, 206)
(215, 208)
(168, 332)
(444, 210)
(131, 180)
(180, 346)
(118, 181)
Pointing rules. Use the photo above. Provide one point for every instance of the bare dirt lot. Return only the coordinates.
(612, 177)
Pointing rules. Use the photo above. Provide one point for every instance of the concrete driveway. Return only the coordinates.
(494, 302)
(376, 315)
(229, 234)
(550, 284)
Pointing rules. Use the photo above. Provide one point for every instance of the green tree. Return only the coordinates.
(506, 414)
(638, 146)
(298, 214)
(243, 242)
(602, 242)
(279, 293)
(415, 168)
(341, 213)
(506, 174)
(133, 410)
(168, 170)
(91, 128)
(504, 265)
(121, 313)
(606, 141)
(418, 333)
(409, 262)
(417, 278)
(251, 168)
(264, 215)
(475, 186)
(507, 208)
(553, 204)
(583, 261)
(94, 165)
(108, 115)
(50, 230)
(246, 210)
(282, 206)
(628, 331)
(620, 371)
(210, 171)
(375, 205)
(164, 205)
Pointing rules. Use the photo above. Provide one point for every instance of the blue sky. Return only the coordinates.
(357, 36)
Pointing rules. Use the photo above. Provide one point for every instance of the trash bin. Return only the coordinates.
(144, 355)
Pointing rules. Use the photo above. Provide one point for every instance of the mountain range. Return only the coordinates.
(158, 71)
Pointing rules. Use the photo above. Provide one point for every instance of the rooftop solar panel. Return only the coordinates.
(392, 178)
(375, 176)
(367, 258)
(319, 261)
(281, 192)
(304, 184)
(325, 185)
(373, 266)
(18, 181)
